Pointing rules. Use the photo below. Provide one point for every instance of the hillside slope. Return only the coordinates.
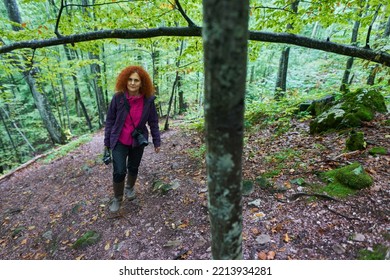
(45, 208)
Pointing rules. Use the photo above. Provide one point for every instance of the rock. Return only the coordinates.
(339, 249)
(350, 111)
(48, 235)
(255, 203)
(358, 237)
(173, 243)
(263, 239)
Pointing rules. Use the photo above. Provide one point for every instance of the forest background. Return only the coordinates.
(58, 76)
(50, 95)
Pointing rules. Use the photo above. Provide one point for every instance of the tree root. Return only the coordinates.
(319, 195)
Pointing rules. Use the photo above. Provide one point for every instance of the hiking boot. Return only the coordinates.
(129, 189)
(116, 202)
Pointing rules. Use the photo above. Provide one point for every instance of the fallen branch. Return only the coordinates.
(319, 195)
(342, 215)
(24, 165)
(347, 154)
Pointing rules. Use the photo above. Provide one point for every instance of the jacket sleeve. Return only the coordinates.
(154, 126)
(110, 120)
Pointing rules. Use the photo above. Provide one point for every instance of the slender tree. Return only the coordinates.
(225, 35)
(281, 78)
(346, 80)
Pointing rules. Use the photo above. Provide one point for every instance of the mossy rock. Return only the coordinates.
(162, 187)
(89, 238)
(356, 141)
(329, 119)
(319, 106)
(352, 177)
(378, 151)
(263, 182)
(247, 187)
(371, 99)
(350, 111)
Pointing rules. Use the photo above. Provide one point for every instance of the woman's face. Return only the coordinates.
(134, 84)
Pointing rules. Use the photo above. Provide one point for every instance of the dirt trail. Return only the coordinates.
(45, 208)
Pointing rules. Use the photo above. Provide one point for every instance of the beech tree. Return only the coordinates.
(225, 34)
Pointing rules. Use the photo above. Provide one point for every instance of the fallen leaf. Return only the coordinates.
(24, 242)
(271, 255)
(262, 255)
(80, 257)
(107, 247)
(286, 238)
(127, 233)
(277, 228)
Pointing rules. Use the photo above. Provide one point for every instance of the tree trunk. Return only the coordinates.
(14, 147)
(97, 85)
(78, 99)
(281, 80)
(175, 84)
(166, 126)
(375, 68)
(344, 82)
(49, 121)
(225, 35)
(17, 129)
(387, 29)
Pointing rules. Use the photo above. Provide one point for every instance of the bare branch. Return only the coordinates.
(183, 13)
(58, 20)
(370, 27)
(195, 31)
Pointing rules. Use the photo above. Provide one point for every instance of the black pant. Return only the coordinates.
(119, 155)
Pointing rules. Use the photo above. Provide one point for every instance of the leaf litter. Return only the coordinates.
(46, 208)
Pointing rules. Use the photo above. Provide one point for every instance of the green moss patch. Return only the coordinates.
(88, 238)
(378, 151)
(378, 252)
(350, 111)
(346, 180)
(356, 141)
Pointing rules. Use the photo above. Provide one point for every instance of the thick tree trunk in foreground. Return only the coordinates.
(225, 37)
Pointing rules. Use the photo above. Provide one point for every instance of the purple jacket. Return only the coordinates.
(116, 117)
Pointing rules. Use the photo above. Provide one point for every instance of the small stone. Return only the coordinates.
(339, 249)
(358, 237)
(255, 203)
(48, 235)
(263, 239)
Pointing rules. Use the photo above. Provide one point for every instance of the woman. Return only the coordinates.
(130, 109)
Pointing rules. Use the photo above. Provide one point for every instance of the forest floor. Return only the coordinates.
(46, 207)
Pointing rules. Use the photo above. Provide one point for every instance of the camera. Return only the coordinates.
(139, 137)
(106, 157)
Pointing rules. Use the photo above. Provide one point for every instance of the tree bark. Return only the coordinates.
(225, 36)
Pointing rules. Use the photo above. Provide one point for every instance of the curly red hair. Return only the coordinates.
(147, 88)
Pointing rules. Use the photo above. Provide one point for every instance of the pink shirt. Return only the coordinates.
(136, 107)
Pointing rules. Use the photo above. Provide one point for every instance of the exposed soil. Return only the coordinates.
(45, 208)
